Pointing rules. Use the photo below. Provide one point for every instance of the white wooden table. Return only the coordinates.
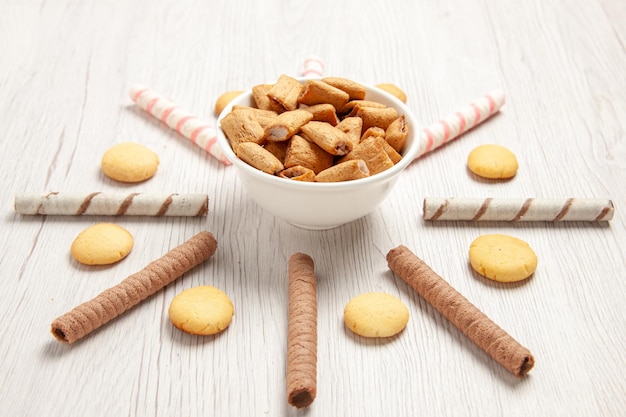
(65, 70)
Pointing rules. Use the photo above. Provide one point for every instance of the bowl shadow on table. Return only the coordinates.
(459, 339)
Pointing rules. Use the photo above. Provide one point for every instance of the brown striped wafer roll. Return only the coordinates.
(111, 303)
(520, 209)
(111, 204)
(302, 332)
(472, 322)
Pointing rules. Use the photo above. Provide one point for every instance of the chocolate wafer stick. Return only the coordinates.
(109, 304)
(302, 332)
(472, 322)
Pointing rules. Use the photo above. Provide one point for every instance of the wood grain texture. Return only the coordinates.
(65, 70)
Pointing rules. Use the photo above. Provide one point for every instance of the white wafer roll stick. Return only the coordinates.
(199, 132)
(313, 66)
(131, 204)
(529, 209)
(456, 124)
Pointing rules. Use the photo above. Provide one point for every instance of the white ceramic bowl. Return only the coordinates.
(318, 206)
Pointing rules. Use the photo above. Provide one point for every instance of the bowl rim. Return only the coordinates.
(408, 156)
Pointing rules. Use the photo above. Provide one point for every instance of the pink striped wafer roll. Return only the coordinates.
(313, 66)
(199, 132)
(456, 124)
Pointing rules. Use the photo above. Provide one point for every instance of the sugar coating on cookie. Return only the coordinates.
(492, 161)
(502, 258)
(375, 314)
(129, 162)
(102, 244)
(202, 310)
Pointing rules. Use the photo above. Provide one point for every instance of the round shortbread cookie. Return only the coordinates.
(502, 258)
(394, 90)
(375, 314)
(203, 310)
(223, 100)
(129, 162)
(492, 161)
(102, 244)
